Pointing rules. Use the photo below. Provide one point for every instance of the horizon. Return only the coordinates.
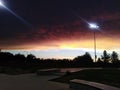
(47, 54)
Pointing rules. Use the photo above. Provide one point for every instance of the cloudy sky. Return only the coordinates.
(56, 28)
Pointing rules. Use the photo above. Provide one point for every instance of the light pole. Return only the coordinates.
(94, 27)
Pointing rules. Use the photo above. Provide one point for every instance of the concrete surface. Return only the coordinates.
(30, 82)
(77, 82)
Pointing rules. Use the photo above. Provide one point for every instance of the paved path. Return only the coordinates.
(30, 82)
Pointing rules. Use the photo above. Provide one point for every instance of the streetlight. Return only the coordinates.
(94, 27)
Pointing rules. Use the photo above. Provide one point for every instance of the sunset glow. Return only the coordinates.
(69, 48)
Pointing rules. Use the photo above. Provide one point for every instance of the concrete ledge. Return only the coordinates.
(47, 71)
(87, 85)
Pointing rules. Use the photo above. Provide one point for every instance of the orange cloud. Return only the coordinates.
(102, 43)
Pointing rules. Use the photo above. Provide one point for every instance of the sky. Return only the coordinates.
(57, 28)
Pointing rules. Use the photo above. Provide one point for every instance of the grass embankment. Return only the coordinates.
(105, 76)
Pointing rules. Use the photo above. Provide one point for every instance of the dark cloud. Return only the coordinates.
(54, 20)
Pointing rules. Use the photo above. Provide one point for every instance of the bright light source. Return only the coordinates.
(1, 3)
(93, 26)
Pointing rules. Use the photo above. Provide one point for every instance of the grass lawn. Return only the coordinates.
(106, 76)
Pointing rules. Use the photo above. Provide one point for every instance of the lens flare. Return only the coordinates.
(13, 13)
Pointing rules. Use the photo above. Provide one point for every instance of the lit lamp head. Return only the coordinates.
(93, 26)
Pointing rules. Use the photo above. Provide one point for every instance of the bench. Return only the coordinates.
(87, 85)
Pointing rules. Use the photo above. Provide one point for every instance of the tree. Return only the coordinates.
(19, 57)
(99, 61)
(83, 60)
(114, 57)
(88, 57)
(105, 57)
(31, 57)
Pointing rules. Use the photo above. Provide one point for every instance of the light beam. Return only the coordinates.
(17, 16)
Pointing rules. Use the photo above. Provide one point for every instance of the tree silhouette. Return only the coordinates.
(99, 62)
(84, 59)
(31, 56)
(105, 57)
(114, 57)
(31, 63)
